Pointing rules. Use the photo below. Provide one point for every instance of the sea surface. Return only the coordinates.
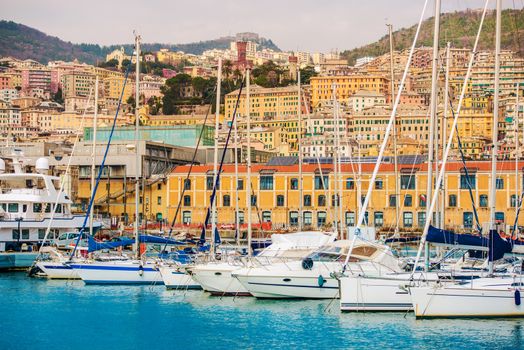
(41, 314)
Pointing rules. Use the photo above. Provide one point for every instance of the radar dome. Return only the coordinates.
(42, 165)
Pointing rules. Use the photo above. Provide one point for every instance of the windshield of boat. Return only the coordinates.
(327, 253)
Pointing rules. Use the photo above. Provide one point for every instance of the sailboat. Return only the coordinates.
(492, 296)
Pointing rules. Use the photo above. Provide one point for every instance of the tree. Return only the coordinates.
(307, 73)
(58, 97)
(112, 63)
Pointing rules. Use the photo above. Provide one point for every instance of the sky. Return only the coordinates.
(301, 25)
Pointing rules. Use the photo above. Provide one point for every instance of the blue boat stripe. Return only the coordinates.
(111, 268)
(159, 283)
(58, 267)
(291, 285)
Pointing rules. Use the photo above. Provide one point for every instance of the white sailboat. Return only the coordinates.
(492, 296)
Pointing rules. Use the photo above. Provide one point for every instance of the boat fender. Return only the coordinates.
(140, 270)
(517, 297)
(307, 264)
(321, 281)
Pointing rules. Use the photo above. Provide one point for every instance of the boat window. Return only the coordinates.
(62, 236)
(16, 234)
(12, 208)
(327, 253)
(24, 208)
(37, 207)
(48, 207)
(3, 206)
(25, 234)
(41, 233)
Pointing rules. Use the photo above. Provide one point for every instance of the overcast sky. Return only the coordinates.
(321, 25)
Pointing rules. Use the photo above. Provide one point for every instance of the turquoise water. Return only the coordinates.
(40, 314)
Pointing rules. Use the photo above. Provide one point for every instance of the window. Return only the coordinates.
(159, 200)
(280, 200)
(483, 200)
(408, 219)
(307, 200)
(226, 200)
(266, 182)
(499, 217)
(266, 216)
(422, 199)
(58, 208)
(41, 233)
(421, 218)
(467, 181)
(187, 201)
(25, 233)
(513, 201)
(407, 182)
(253, 200)
(187, 184)
(350, 184)
(294, 184)
(240, 184)
(15, 234)
(240, 217)
(335, 200)
(350, 218)
(209, 182)
(293, 218)
(408, 200)
(379, 219)
(467, 219)
(37, 207)
(452, 200)
(379, 184)
(321, 183)
(499, 183)
(321, 200)
(392, 200)
(12, 207)
(321, 218)
(186, 217)
(308, 218)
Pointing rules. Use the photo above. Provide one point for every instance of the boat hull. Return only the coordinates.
(175, 279)
(17, 260)
(57, 270)
(118, 273)
(218, 280)
(460, 301)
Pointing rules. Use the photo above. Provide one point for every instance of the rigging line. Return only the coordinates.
(219, 171)
(189, 172)
(102, 165)
(53, 209)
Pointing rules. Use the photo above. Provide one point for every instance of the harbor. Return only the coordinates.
(246, 197)
(137, 317)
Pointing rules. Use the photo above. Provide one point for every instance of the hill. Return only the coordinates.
(460, 28)
(23, 42)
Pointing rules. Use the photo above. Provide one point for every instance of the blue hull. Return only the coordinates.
(17, 260)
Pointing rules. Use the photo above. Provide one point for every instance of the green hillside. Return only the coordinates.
(460, 28)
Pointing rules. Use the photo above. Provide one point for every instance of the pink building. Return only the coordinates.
(168, 73)
(36, 79)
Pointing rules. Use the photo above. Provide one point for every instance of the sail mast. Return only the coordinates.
(215, 160)
(237, 210)
(444, 129)
(394, 136)
(334, 155)
(299, 145)
(248, 186)
(516, 124)
(137, 152)
(495, 129)
(93, 164)
(432, 119)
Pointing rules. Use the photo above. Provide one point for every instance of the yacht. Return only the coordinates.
(313, 276)
(27, 201)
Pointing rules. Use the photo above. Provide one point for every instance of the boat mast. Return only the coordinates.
(395, 160)
(516, 124)
(215, 159)
(432, 119)
(237, 210)
(248, 186)
(137, 154)
(444, 129)
(334, 155)
(93, 164)
(494, 148)
(299, 145)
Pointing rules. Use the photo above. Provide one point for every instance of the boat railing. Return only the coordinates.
(30, 191)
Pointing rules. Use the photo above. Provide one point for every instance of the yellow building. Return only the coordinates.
(266, 103)
(113, 88)
(276, 195)
(77, 83)
(271, 137)
(168, 57)
(288, 129)
(75, 122)
(346, 86)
